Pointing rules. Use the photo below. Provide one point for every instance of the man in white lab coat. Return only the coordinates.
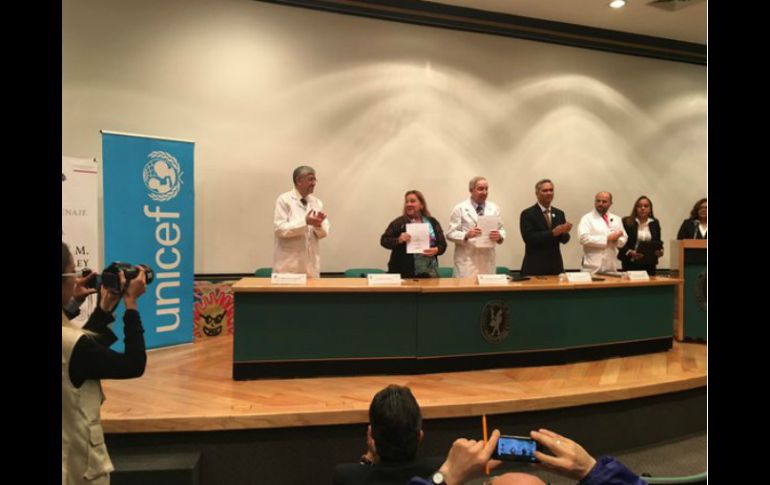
(299, 223)
(601, 233)
(464, 231)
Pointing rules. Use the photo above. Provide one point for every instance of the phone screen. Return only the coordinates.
(515, 448)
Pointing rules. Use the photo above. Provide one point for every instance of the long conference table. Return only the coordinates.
(344, 326)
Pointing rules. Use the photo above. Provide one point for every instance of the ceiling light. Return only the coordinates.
(617, 3)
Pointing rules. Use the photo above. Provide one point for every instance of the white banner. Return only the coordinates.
(80, 219)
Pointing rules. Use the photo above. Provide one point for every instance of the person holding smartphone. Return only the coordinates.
(86, 359)
(571, 460)
(468, 458)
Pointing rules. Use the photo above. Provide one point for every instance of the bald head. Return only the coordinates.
(602, 202)
(517, 479)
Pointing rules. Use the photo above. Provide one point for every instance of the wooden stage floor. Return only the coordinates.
(190, 388)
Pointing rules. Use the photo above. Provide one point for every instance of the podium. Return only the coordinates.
(688, 257)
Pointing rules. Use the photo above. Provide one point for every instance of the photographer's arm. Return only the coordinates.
(93, 360)
(102, 316)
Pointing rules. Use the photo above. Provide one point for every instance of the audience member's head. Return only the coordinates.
(396, 424)
(517, 479)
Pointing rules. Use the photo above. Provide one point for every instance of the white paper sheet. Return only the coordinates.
(486, 224)
(420, 237)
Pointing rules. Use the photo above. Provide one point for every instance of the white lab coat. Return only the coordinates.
(470, 260)
(296, 242)
(598, 254)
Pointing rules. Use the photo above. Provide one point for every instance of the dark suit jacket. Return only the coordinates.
(400, 261)
(690, 230)
(632, 229)
(542, 255)
(385, 474)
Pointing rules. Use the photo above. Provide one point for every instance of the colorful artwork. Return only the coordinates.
(213, 310)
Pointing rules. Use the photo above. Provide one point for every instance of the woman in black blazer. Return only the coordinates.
(641, 225)
(696, 227)
(423, 265)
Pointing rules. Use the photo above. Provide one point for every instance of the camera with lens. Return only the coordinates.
(110, 277)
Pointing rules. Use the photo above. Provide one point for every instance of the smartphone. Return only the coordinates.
(515, 448)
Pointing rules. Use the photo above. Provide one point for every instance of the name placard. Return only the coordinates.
(638, 275)
(492, 279)
(380, 279)
(288, 279)
(578, 277)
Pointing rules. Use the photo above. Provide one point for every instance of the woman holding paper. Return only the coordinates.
(643, 235)
(415, 240)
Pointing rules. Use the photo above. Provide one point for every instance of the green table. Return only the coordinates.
(340, 326)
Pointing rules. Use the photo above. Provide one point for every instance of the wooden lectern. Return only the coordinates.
(688, 258)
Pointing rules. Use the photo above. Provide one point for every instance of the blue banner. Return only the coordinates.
(149, 216)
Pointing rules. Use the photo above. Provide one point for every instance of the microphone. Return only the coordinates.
(695, 228)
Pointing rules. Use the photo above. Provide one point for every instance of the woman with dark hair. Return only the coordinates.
(395, 238)
(87, 358)
(696, 226)
(640, 226)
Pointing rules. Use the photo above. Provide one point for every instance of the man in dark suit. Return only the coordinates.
(395, 431)
(543, 228)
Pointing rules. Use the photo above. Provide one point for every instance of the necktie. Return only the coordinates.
(304, 202)
(606, 219)
(480, 210)
(547, 214)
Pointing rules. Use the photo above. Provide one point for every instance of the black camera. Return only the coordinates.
(110, 277)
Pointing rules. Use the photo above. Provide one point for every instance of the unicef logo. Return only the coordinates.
(162, 176)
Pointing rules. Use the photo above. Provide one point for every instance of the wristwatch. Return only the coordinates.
(438, 478)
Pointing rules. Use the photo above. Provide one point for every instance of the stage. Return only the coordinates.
(190, 388)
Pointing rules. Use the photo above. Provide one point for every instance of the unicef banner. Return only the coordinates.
(80, 219)
(149, 219)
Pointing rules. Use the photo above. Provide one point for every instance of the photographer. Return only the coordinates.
(87, 358)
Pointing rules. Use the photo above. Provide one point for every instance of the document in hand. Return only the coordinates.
(647, 250)
(486, 224)
(420, 237)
